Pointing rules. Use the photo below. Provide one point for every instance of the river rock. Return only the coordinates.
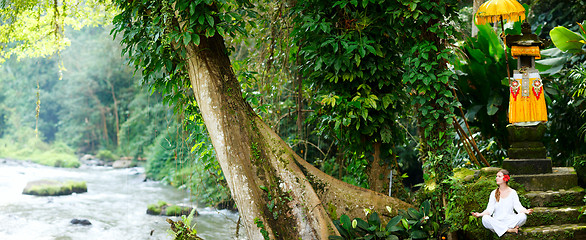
(87, 157)
(122, 163)
(83, 222)
(91, 160)
(165, 209)
(53, 188)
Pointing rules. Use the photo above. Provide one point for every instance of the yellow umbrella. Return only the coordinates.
(499, 10)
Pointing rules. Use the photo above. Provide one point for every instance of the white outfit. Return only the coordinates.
(501, 216)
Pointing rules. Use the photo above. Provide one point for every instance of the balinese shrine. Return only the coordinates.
(528, 161)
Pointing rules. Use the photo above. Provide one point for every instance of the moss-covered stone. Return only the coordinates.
(489, 171)
(463, 174)
(527, 144)
(557, 232)
(76, 186)
(526, 133)
(560, 178)
(527, 153)
(571, 197)
(470, 197)
(527, 166)
(163, 208)
(554, 216)
(153, 209)
(54, 188)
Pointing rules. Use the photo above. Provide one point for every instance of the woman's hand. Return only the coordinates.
(475, 214)
(529, 211)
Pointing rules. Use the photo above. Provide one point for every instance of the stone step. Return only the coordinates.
(526, 133)
(527, 153)
(553, 232)
(527, 166)
(526, 144)
(560, 178)
(555, 216)
(571, 197)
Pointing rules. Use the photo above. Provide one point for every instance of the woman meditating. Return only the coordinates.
(499, 216)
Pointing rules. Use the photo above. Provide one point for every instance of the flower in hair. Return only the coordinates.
(506, 178)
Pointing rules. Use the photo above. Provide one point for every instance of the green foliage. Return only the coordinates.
(568, 41)
(580, 168)
(483, 88)
(96, 92)
(173, 210)
(427, 77)
(81, 105)
(552, 13)
(563, 137)
(354, 71)
(106, 155)
(352, 66)
(430, 84)
(187, 161)
(148, 118)
(37, 76)
(263, 230)
(364, 80)
(156, 42)
(409, 224)
(35, 28)
(33, 149)
(566, 101)
(183, 229)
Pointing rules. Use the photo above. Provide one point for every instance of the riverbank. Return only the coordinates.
(115, 204)
(57, 154)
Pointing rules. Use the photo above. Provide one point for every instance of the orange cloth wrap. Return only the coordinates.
(531, 107)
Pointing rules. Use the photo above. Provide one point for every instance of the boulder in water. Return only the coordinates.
(91, 160)
(83, 222)
(163, 208)
(123, 163)
(53, 188)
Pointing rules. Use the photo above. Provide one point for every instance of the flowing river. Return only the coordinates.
(115, 204)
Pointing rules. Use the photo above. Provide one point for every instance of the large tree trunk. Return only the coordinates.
(277, 192)
(475, 5)
(378, 174)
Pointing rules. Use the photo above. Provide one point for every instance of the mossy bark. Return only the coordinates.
(277, 193)
(379, 170)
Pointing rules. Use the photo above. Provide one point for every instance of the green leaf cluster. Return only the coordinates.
(483, 88)
(183, 229)
(364, 76)
(35, 28)
(569, 41)
(355, 69)
(409, 224)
